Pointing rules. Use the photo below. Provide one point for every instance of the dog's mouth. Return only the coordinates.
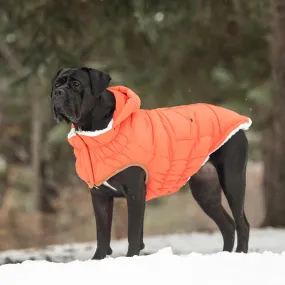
(61, 116)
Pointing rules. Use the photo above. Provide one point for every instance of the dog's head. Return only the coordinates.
(75, 92)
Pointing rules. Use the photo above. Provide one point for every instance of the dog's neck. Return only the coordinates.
(100, 116)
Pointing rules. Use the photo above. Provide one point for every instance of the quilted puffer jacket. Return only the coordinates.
(170, 144)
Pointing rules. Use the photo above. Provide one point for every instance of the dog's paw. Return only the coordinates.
(101, 254)
(110, 251)
(98, 256)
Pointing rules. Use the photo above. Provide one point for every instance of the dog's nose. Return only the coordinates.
(59, 92)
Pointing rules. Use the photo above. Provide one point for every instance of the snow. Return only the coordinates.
(192, 258)
(162, 267)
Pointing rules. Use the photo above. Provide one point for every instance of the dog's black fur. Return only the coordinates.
(79, 96)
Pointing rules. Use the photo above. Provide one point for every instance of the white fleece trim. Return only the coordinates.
(110, 186)
(107, 185)
(244, 126)
(73, 132)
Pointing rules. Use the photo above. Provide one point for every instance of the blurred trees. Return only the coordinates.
(274, 139)
(170, 52)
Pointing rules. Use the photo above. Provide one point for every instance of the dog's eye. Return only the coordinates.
(56, 85)
(75, 83)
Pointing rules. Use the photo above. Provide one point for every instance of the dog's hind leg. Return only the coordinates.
(230, 161)
(207, 191)
(142, 243)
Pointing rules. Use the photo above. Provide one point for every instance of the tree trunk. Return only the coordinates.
(47, 192)
(274, 136)
(36, 155)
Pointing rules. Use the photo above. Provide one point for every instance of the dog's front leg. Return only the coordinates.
(136, 208)
(103, 210)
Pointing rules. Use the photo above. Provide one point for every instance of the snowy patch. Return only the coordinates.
(194, 258)
(261, 240)
(162, 267)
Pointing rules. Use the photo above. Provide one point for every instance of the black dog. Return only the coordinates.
(79, 96)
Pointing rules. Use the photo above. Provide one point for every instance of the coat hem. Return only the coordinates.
(243, 126)
(120, 170)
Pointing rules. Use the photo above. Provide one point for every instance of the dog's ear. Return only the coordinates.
(99, 80)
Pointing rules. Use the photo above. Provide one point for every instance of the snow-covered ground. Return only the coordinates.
(192, 258)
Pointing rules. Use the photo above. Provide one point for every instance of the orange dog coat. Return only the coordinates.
(170, 144)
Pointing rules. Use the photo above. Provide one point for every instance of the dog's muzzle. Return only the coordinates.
(60, 92)
(63, 106)
(59, 114)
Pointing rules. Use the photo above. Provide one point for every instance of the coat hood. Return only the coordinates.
(127, 102)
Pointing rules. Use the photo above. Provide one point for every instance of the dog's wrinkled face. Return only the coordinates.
(75, 91)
